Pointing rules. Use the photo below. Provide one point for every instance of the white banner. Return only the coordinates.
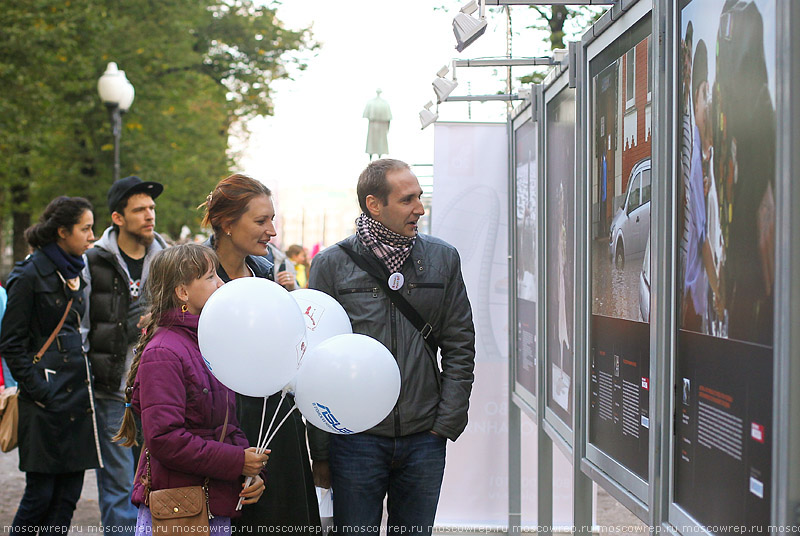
(470, 211)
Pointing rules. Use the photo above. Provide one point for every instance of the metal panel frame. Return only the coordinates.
(520, 395)
(544, 499)
(514, 413)
(786, 452)
(520, 399)
(620, 482)
(653, 502)
(785, 507)
(559, 431)
(663, 232)
(582, 488)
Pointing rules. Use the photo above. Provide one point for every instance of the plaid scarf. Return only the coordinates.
(391, 248)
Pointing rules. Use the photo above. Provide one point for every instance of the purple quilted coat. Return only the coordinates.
(182, 407)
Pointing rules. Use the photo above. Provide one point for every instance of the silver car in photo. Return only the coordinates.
(630, 228)
(644, 286)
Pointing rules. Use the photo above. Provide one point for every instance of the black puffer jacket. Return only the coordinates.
(112, 321)
(57, 430)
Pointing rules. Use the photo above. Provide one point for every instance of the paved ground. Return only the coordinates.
(615, 292)
(87, 515)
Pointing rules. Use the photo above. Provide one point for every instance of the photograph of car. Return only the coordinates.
(630, 228)
(644, 285)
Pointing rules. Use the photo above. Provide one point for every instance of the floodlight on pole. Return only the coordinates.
(523, 94)
(468, 28)
(442, 86)
(426, 116)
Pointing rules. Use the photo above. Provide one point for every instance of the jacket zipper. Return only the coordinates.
(91, 399)
(374, 291)
(396, 411)
(425, 285)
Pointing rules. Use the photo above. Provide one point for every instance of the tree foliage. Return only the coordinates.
(198, 68)
(560, 21)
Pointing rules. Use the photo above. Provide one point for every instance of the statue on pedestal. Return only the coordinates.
(379, 115)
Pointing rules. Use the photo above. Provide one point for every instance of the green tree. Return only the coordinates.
(561, 21)
(199, 68)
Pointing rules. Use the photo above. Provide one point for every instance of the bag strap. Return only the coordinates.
(227, 412)
(397, 298)
(52, 337)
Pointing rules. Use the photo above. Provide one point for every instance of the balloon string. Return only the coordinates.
(261, 427)
(259, 447)
(279, 425)
(262, 446)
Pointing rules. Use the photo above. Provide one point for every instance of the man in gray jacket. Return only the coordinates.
(404, 455)
(116, 271)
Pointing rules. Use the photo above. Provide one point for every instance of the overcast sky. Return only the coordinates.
(317, 135)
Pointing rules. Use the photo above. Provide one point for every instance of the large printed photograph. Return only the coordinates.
(726, 204)
(560, 165)
(621, 130)
(726, 153)
(621, 185)
(526, 174)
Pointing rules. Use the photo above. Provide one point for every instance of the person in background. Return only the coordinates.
(700, 274)
(240, 212)
(57, 431)
(279, 259)
(191, 435)
(297, 254)
(117, 268)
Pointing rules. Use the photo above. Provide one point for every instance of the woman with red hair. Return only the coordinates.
(241, 213)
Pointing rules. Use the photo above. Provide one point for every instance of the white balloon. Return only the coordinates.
(252, 336)
(324, 316)
(347, 384)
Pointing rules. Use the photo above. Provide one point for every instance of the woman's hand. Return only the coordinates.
(252, 493)
(286, 280)
(254, 462)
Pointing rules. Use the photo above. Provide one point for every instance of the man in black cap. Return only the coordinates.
(116, 270)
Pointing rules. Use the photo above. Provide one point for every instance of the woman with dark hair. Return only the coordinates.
(241, 213)
(41, 341)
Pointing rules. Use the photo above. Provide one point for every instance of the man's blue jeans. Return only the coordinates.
(365, 468)
(115, 479)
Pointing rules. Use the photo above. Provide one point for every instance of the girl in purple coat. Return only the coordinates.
(182, 406)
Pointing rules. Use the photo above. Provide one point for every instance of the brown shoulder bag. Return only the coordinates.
(180, 511)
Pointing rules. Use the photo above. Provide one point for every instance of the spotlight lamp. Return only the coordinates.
(468, 28)
(442, 86)
(426, 116)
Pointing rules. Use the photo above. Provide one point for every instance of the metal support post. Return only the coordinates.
(116, 131)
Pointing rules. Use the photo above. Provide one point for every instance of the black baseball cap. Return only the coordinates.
(124, 188)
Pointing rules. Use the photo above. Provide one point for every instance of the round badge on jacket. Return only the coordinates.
(396, 281)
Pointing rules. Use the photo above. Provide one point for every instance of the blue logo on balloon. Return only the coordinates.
(326, 415)
(208, 364)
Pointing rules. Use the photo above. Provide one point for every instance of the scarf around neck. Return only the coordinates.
(391, 248)
(70, 266)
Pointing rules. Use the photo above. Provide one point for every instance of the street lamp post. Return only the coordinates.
(117, 94)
